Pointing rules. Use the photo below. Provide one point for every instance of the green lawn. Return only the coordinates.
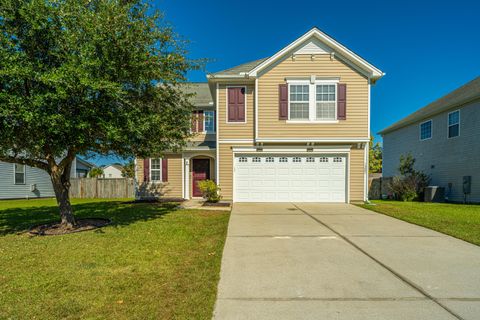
(458, 220)
(153, 262)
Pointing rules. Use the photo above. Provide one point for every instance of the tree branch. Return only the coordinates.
(29, 162)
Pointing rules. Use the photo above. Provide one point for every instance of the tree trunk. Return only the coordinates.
(61, 186)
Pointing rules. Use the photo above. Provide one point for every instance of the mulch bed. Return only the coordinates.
(53, 229)
(216, 204)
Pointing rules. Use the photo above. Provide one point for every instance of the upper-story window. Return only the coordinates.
(454, 124)
(19, 173)
(299, 102)
(312, 101)
(326, 102)
(426, 130)
(209, 120)
(203, 121)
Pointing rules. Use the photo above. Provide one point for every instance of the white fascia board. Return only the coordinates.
(374, 71)
(319, 140)
(292, 149)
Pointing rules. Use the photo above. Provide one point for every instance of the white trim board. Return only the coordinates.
(319, 140)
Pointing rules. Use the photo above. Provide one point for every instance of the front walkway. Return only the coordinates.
(338, 261)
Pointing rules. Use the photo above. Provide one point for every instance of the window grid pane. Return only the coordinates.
(299, 111)
(326, 110)
(453, 118)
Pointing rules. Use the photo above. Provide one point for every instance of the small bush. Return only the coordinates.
(411, 184)
(210, 190)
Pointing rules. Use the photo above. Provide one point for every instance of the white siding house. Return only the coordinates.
(24, 182)
(112, 171)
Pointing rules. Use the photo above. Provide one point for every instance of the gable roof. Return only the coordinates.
(252, 69)
(202, 95)
(466, 93)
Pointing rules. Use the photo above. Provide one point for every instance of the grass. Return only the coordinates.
(152, 262)
(458, 220)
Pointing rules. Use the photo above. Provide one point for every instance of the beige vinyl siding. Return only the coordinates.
(357, 175)
(225, 167)
(173, 187)
(356, 124)
(236, 130)
(201, 136)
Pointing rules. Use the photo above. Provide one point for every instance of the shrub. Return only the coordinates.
(411, 184)
(210, 190)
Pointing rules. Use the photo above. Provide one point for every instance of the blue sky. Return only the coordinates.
(426, 48)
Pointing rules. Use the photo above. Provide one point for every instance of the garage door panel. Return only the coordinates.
(302, 178)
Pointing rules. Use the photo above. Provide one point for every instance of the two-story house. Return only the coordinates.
(443, 137)
(291, 127)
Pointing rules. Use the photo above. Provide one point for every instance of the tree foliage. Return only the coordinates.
(88, 77)
(128, 170)
(375, 156)
(95, 172)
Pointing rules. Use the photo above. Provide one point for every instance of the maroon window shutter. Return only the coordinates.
(200, 121)
(283, 101)
(164, 169)
(232, 104)
(342, 101)
(241, 104)
(146, 170)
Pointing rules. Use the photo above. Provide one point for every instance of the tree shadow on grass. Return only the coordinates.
(18, 220)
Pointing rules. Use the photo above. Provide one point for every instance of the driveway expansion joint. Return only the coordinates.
(396, 274)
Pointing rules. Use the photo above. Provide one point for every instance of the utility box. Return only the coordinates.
(467, 184)
(434, 194)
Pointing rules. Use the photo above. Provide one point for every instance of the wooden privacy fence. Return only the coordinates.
(102, 188)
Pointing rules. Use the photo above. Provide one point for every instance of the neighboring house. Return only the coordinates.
(112, 171)
(291, 127)
(19, 181)
(444, 139)
(81, 168)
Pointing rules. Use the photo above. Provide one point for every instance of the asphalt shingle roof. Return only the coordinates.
(202, 95)
(466, 93)
(240, 69)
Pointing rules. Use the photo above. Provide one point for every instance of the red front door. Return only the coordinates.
(200, 171)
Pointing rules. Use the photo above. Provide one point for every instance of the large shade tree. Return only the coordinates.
(88, 76)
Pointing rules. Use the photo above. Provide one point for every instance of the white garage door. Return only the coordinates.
(285, 178)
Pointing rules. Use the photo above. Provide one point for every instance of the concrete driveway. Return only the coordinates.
(338, 261)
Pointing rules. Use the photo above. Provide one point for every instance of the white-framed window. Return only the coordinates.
(299, 102)
(297, 159)
(19, 173)
(326, 102)
(323, 159)
(256, 159)
(283, 159)
(312, 101)
(242, 159)
(337, 159)
(209, 121)
(310, 159)
(454, 124)
(155, 169)
(269, 159)
(426, 130)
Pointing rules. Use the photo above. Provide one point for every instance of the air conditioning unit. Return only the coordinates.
(33, 187)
